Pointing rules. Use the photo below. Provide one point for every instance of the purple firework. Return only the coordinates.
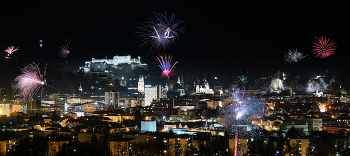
(29, 82)
(160, 31)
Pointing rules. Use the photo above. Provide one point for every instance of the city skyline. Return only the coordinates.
(174, 78)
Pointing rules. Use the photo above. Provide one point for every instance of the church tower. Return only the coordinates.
(122, 81)
(80, 88)
(141, 84)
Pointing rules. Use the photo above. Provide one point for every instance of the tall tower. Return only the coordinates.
(112, 99)
(80, 88)
(141, 84)
(182, 81)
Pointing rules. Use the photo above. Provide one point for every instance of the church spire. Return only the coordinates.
(80, 88)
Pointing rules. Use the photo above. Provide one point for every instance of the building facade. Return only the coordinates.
(150, 94)
(141, 84)
(112, 99)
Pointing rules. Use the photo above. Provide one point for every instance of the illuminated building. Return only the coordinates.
(178, 145)
(6, 145)
(16, 108)
(204, 89)
(141, 84)
(15, 114)
(119, 118)
(90, 108)
(132, 102)
(149, 126)
(60, 101)
(33, 106)
(101, 64)
(301, 144)
(72, 123)
(55, 146)
(86, 136)
(5, 109)
(314, 124)
(80, 88)
(242, 146)
(332, 99)
(150, 94)
(140, 137)
(165, 91)
(121, 146)
(112, 99)
(115, 118)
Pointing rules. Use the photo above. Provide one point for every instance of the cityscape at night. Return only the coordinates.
(172, 78)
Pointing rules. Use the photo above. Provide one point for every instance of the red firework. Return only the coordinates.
(65, 49)
(323, 47)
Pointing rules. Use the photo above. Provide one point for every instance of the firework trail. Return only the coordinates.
(65, 49)
(323, 47)
(160, 31)
(29, 82)
(166, 65)
(11, 49)
(293, 56)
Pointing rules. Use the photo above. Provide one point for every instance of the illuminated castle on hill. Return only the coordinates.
(100, 65)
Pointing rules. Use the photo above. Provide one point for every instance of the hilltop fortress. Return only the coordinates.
(100, 65)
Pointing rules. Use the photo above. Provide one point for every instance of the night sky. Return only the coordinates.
(220, 37)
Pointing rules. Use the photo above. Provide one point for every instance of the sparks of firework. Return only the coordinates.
(160, 31)
(323, 47)
(245, 108)
(65, 49)
(293, 56)
(166, 65)
(29, 82)
(11, 49)
(41, 43)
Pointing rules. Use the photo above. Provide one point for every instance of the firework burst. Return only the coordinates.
(65, 49)
(166, 65)
(245, 108)
(11, 49)
(29, 82)
(293, 56)
(41, 43)
(160, 32)
(323, 47)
